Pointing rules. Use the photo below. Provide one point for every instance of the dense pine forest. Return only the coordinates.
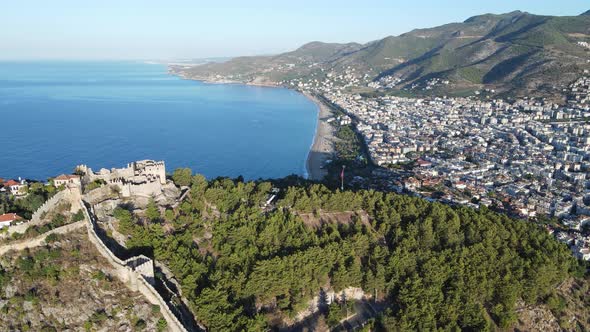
(244, 265)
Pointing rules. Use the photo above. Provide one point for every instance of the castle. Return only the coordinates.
(139, 178)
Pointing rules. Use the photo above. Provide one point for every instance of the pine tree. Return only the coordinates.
(152, 211)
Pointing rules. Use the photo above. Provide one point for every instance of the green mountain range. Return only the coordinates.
(514, 53)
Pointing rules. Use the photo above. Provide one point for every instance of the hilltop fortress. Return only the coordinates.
(140, 178)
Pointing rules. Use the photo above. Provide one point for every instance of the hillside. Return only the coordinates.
(402, 263)
(312, 258)
(515, 52)
(68, 284)
(270, 69)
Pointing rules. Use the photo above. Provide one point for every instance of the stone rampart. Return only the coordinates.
(101, 194)
(136, 272)
(147, 189)
(149, 170)
(68, 195)
(40, 239)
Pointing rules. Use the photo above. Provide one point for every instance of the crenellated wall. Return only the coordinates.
(69, 195)
(136, 272)
(137, 171)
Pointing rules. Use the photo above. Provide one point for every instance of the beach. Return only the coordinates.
(322, 148)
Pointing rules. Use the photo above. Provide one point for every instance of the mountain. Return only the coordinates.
(322, 52)
(514, 53)
(585, 13)
(517, 51)
(271, 69)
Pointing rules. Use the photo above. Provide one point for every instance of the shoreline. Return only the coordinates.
(225, 81)
(322, 148)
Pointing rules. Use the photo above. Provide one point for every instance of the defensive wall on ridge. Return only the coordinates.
(136, 272)
(69, 195)
(40, 240)
(140, 178)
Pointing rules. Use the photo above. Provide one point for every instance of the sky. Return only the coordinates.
(184, 29)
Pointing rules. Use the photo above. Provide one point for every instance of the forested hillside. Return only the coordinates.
(245, 266)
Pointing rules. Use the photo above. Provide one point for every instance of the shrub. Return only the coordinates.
(140, 324)
(94, 185)
(182, 176)
(51, 238)
(58, 220)
(78, 216)
(99, 275)
(162, 324)
(155, 309)
(31, 295)
(98, 316)
(26, 264)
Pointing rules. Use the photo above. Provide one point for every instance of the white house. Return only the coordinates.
(15, 187)
(64, 180)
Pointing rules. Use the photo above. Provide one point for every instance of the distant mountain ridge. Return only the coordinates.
(515, 53)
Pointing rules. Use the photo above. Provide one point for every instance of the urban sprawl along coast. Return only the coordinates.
(528, 157)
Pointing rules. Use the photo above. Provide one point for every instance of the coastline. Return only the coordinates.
(322, 147)
(209, 80)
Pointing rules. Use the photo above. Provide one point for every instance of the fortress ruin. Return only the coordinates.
(139, 178)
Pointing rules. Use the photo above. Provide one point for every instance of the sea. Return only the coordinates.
(55, 115)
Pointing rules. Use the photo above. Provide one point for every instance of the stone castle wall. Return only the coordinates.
(147, 170)
(136, 272)
(69, 195)
(40, 240)
(158, 169)
(101, 194)
(141, 178)
(143, 189)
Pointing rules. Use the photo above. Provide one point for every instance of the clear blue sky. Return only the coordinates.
(146, 29)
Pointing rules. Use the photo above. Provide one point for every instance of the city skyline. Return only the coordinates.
(180, 29)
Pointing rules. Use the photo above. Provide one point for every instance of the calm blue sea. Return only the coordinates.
(55, 115)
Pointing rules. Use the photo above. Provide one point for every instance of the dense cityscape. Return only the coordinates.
(528, 157)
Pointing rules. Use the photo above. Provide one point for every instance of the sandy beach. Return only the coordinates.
(322, 148)
(323, 143)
